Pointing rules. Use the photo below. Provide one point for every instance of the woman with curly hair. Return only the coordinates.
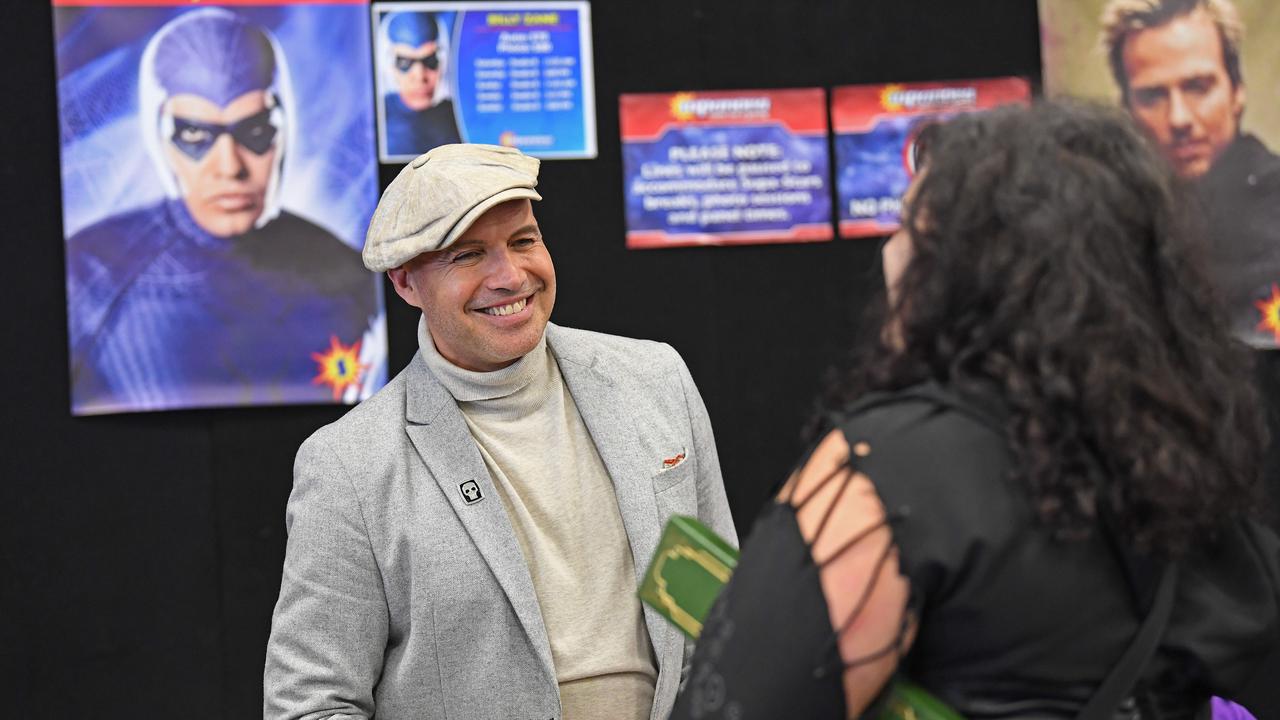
(1053, 453)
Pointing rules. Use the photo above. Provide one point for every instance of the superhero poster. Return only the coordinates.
(218, 174)
(725, 167)
(502, 73)
(875, 128)
(1201, 78)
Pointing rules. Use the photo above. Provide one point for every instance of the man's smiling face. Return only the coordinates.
(487, 297)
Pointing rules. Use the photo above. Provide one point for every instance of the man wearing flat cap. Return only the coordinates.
(468, 542)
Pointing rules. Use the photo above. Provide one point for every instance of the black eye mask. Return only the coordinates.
(194, 139)
(430, 62)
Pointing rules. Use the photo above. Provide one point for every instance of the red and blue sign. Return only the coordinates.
(726, 167)
(875, 128)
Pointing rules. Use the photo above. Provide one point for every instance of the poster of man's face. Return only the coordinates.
(1202, 80)
(218, 174)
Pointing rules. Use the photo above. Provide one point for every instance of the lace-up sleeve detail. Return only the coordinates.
(898, 529)
(850, 538)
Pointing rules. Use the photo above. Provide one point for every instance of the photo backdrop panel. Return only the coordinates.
(219, 172)
(725, 167)
(1218, 129)
(875, 128)
(502, 73)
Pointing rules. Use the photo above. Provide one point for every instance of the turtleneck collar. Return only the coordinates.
(532, 370)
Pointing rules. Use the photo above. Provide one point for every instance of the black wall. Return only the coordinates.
(140, 554)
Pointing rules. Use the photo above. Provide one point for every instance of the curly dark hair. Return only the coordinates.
(1053, 256)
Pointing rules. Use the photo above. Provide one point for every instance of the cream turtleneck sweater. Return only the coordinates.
(561, 502)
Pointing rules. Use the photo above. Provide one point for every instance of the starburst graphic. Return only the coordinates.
(678, 110)
(1270, 310)
(889, 97)
(340, 366)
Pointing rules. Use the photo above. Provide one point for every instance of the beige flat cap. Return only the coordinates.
(436, 198)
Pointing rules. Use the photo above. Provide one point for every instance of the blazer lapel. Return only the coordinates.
(444, 442)
(602, 403)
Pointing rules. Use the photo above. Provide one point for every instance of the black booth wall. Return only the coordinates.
(140, 554)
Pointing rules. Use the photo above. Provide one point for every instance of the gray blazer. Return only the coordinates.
(401, 599)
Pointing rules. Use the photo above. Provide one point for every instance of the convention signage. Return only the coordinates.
(875, 128)
(502, 73)
(218, 174)
(725, 167)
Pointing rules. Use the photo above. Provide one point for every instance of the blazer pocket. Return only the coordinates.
(676, 492)
(667, 478)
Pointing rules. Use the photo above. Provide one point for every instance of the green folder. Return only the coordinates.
(686, 574)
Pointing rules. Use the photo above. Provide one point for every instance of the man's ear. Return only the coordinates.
(401, 281)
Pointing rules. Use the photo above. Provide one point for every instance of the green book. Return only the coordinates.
(688, 569)
(686, 574)
(908, 701)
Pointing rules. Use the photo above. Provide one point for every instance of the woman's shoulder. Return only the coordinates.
(927, 420)
(938, 457)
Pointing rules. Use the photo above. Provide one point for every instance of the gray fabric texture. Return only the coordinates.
(401, 599)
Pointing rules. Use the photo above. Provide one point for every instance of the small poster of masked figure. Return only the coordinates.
(1201, 79)
(218, 173)
(498, 72)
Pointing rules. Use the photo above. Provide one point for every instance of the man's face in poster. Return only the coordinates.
(1179, 90)
(223, 158)
(417, 72)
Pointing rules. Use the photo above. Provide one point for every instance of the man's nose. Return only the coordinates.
(504, 271)
(225, 157)
(1180, 117)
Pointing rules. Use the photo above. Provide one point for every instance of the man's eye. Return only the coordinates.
(466, 257)
(193, 135)
(1199, 86)
(525, 242)
(1148, 96)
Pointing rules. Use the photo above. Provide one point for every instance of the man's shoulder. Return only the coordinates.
(1270, 164)
(291, 227)
(295, 246)
(122, 232)
(105, 257)
(1253, 157)
(369, 426)
(619, 353)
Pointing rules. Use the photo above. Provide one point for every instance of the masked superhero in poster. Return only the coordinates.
(215, 295)
(419, 115)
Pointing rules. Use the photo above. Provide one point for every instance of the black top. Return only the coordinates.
(1012, 623)
(1241, 194)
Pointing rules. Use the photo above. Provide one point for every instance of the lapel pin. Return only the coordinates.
(471, 492)
(672, 461)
